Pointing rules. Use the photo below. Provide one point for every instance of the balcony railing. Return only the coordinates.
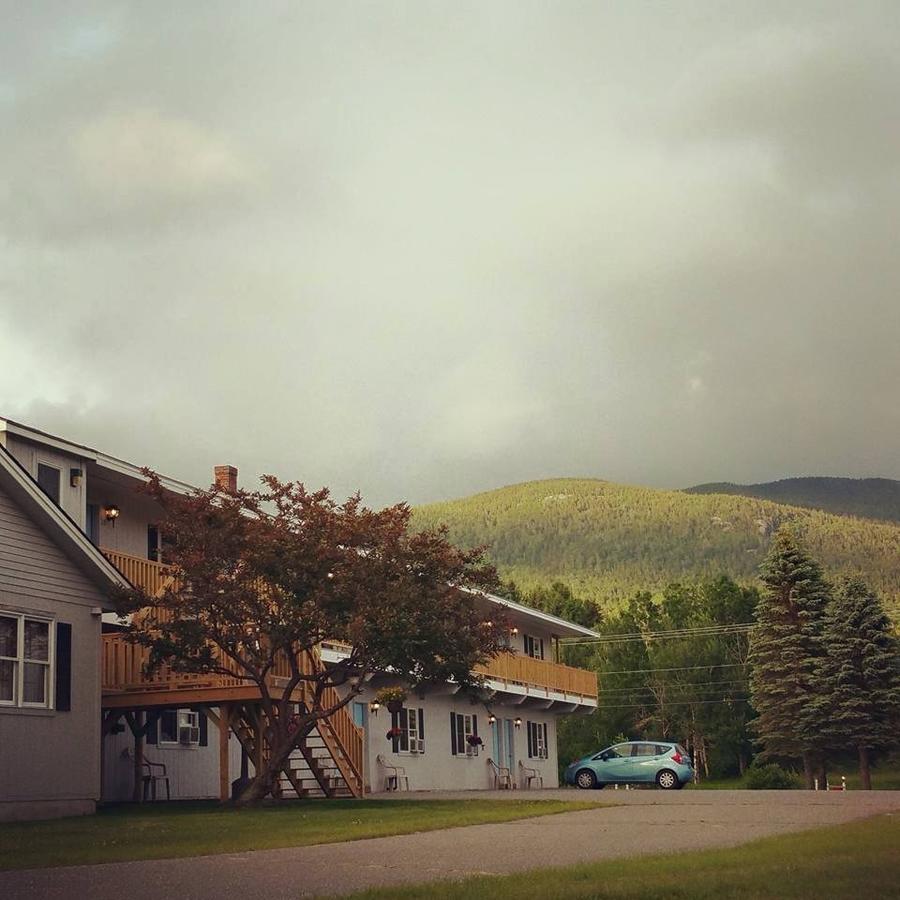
(537, 675)
(149, 576)
(540, 674)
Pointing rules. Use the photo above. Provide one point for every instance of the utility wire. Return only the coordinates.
(680, 703)
(670, 669)
(710, 631)
(690, 685)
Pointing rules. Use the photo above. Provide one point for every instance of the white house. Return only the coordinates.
(206, 732)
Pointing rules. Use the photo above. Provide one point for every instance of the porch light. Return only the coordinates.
(514, 630)
(75, 476)
(112, 513)
(492, 719)
(374, 706)
(518, 722)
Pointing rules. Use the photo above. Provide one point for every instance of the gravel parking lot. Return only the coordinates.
(640, 822)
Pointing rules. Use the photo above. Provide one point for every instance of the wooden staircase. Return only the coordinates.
(319, 767)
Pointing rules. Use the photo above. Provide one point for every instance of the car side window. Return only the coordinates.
(643, 750)
(661, 750)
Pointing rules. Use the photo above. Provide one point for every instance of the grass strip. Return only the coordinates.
(861, 859)
(166, 831)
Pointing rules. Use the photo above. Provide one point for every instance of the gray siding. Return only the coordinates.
(49, 761)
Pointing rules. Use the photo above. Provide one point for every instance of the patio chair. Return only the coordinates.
(501, 775)
(531, 775)
(394, 776)
(154, 772)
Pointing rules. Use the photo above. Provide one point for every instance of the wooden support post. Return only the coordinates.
(224, 775)
(137, 794)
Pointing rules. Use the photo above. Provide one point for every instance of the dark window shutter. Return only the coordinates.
(204, 725)
(152, 727)
(453, 733)
(542, 648)
(546, 746)
(395, 723)
(421, 724)
(474, 724)
(530, 742)
(63, 666)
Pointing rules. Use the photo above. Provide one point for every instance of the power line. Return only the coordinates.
(705, 631)
(691, 685)
(671, 669)
(680, 703)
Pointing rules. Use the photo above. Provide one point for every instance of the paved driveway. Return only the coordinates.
(645, 822)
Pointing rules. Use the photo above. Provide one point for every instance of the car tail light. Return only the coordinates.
(677, 758)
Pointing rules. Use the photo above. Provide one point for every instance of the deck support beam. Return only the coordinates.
(224, 775)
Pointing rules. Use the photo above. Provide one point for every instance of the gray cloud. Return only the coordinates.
(425, 250)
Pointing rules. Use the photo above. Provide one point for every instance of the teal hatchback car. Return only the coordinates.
(635, 762)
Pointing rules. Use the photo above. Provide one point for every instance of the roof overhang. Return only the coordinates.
(103, 460)
(58, 526)
(559, 627)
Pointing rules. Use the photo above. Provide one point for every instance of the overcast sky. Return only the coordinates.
(423, 249)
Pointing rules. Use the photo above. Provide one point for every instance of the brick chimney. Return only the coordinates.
(226, 478)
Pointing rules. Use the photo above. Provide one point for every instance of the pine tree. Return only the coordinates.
(785, 648)
(860, 708)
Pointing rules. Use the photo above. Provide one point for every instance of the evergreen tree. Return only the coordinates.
(860, 709)
(785, 649)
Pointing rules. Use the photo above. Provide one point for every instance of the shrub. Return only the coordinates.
(770, 777)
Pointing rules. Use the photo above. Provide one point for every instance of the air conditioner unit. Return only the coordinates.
(188, 734)
(420, 746)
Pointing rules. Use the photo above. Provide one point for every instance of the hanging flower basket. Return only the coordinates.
(473, 740)
(391, 697)
(393, 734)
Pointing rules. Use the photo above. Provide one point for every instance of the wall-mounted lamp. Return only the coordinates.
(75, 476)
(514, 630)
(492, 719)
(374, 706)
(111, 513)
(518, 722)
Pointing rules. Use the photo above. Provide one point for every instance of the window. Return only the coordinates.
(537, 740)
(179, 726)
(620, 751)
(643, 750)
(359, 714)
(411, 722)
(153, 543)
(25, 666)
(534, 647)
(48, 479)
(463, 727)
(92, 523)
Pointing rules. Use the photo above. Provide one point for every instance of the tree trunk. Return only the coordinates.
(808, 770)
(865, 776)
(267, 776)
(822, 773)
(742, 764)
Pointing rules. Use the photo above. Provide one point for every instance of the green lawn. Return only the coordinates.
(158, 831)
(857, 860)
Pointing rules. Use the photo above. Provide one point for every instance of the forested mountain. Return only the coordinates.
(608, 540)
(872, 498)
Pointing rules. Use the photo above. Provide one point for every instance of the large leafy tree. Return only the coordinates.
(786, 648)
(260, 578)
(860, 709)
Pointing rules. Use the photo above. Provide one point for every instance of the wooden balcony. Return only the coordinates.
(537, 676)
(541, 676)
(145, 574)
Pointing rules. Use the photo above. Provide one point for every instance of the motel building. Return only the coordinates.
(80, 723)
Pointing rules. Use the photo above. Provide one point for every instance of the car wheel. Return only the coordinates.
(667, 780)
(586, 780)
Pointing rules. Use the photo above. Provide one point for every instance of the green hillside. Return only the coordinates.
(873, 498)
(608, 540)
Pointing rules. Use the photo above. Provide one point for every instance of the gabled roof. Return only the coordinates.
(61, 529)
(560, 627)
(104, 460)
